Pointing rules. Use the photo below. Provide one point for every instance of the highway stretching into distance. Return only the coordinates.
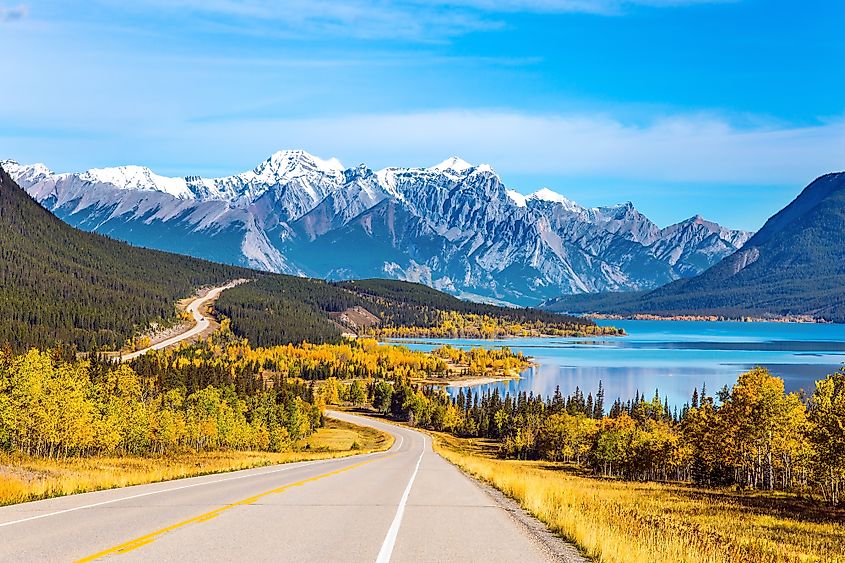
(405, 504)
(201, 322)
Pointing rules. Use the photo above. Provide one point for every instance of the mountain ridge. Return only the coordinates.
(460, 228)
(793, 266)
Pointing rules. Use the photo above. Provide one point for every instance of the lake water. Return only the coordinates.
(672, 356)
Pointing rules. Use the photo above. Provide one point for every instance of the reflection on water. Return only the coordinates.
(672, 356)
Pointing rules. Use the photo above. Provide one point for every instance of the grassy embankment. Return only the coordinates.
(616, 521)
(25, 478)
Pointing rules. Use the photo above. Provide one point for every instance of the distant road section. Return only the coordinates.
(201, 322)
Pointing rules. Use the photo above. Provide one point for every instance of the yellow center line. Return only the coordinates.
(152, 536)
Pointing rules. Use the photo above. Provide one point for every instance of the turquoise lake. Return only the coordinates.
(672, 356)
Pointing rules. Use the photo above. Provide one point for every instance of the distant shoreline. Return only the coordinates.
(796, 319)
(475, 381)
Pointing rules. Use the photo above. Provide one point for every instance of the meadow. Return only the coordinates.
(617, 521)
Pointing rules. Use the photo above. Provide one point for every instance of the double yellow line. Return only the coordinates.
(152, 536)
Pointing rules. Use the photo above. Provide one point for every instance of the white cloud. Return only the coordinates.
(683, 148)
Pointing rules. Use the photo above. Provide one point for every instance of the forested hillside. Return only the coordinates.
(795, 265)
(59, 284)
(278, 309)
(416, 299)
(281, 309)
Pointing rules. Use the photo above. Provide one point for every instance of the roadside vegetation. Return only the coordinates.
(612, 520)
(25, 478)
(750, 436)
(71, 424)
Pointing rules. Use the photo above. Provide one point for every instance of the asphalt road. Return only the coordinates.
(406, 504)
(201, 322)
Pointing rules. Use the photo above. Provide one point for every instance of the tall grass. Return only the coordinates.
(615, 521)
(26, 478)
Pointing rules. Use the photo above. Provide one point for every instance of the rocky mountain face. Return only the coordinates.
(453, 226)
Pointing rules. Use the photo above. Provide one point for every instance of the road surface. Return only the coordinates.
(201, 323)
(406, 504)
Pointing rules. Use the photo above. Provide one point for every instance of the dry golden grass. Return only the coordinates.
(614, 521)
(340, 436)
(25, 478)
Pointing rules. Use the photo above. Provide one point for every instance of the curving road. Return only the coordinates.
(406, 504)
(201, 323)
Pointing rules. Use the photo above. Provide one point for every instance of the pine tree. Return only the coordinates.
(598, 408)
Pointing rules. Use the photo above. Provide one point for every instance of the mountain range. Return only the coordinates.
(453, 226)
(793, 266)
(60, 286)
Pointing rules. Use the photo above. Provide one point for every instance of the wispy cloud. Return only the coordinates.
(425, 20)
(360, 19)
(680, 148)
(600, 7)
(691, 148)
(14, 13)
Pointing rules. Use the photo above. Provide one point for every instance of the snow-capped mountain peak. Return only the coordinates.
(547, 195)
(26, 173)
(517, 198)
(452, 164)
(137, 178)
(293, 179)
(292, 163)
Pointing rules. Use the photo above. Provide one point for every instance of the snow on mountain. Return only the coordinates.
(26, 173)
(452, 164)
(519, 199)
(293, 180)
(454, 225)
(361, 191)
(132, 204)
(137, 178)
(549, 196)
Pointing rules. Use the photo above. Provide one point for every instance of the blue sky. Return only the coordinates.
(722, 108)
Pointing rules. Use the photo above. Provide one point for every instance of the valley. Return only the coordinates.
(250, 382)
(258, 388)
(399, 281)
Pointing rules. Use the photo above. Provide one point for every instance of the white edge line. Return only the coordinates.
(295, 465)
(390, 540)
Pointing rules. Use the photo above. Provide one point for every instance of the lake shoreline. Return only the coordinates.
(674, 357)
(798, 319)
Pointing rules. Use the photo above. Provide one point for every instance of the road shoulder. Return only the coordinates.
(555, 546)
